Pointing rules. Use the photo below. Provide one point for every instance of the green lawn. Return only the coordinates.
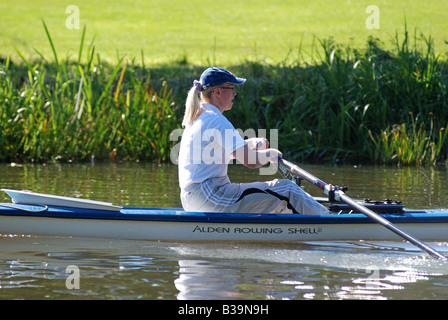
(218, 32)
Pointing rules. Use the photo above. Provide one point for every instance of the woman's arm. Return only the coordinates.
(258, 143)
(253, 159)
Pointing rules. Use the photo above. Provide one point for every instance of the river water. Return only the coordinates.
(42, 267)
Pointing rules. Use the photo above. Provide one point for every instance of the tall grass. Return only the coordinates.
(69, 111)
(409, 144)
(347, 104)
(339, 106)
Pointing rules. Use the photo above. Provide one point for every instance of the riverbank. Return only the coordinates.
(367, 104)
(208, 31)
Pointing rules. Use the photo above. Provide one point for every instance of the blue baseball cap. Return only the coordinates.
(214, 76)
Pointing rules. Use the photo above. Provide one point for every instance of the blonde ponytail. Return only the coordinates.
(192, 106)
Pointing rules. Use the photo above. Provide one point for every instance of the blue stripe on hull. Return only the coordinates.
(179, 215)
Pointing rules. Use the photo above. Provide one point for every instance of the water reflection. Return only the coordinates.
(201, 279)
(35, 268)
(205, 279)
(315, 271)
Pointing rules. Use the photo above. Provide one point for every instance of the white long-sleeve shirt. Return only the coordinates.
(207, 146)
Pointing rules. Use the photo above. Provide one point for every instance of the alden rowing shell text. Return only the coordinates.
(273, 230)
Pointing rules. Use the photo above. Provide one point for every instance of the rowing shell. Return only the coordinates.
(68, 219)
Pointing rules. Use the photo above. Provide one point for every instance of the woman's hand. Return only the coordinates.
(258, 143)
(271, 155)
(256, 158)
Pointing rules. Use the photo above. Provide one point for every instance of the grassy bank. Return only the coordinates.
(204, 31)
(366, 104)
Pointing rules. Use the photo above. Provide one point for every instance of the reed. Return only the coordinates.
(337, 104)
(69, 111)
(409, 144)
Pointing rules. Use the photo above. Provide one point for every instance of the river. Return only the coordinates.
(42, 267)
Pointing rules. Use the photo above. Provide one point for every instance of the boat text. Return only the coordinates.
(253, 230)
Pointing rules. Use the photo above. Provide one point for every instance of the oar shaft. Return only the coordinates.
(386, 223)
(294, 169)
(341, 196)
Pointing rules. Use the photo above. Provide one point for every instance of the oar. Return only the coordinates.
(339, 195)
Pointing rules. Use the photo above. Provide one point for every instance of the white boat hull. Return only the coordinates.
(177, 225)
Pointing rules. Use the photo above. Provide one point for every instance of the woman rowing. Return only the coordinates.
(210, 142)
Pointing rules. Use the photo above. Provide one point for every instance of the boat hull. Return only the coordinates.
(174, 224)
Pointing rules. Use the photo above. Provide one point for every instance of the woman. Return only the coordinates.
(210, 142)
